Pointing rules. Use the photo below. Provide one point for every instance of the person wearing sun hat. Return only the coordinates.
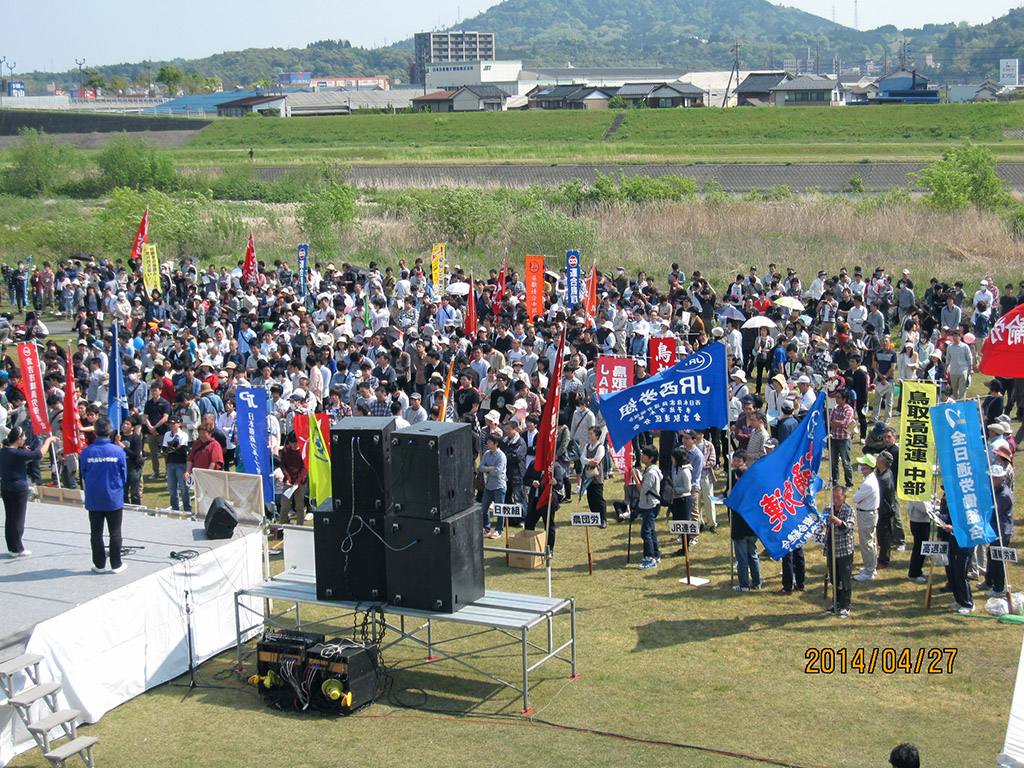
(866, 501)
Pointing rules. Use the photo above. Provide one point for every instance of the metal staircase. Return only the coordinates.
(53, 718)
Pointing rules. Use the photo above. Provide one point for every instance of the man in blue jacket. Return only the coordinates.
(104, 468)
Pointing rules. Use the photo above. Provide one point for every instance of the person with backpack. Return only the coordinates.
(648, 477)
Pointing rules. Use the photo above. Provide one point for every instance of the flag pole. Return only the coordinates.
(995, 509)
(931, 534)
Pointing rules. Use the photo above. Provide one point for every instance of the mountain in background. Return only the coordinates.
(691, 34)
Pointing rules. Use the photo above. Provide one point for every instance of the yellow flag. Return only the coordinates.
(319, 463)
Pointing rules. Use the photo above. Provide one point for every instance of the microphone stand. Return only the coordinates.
(191, 685)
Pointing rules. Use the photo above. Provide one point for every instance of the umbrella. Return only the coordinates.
(552, 275)
(458, 289)
(390, 334)
(789, 302)
(760, 321)
(729, 312)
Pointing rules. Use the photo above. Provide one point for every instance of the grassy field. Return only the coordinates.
(722, 135)
(700, 666)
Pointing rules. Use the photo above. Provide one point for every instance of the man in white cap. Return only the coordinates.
(866, 501)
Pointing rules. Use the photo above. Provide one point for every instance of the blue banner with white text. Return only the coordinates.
(776, 494)
(303, 255)
(573, 279)
(254, 437)
(117, 399)
(961, 449)
(692, 394)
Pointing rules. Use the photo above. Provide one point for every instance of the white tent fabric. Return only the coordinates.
(1012, 755)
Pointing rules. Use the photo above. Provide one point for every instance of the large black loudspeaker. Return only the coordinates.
(435, 565)
(361, 464)
(221, 519)
(433, 469)
(350, 562)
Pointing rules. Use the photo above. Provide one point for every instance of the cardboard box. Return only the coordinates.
(534, 541)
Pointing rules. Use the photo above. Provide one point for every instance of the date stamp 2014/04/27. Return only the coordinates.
(888, 661)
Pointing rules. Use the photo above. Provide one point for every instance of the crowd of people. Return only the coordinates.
(391, 342)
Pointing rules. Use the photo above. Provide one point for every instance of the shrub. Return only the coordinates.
(459, 216)
(543, 231)
(325, 214)
(965, 176)
(38, 164)
(130, 162)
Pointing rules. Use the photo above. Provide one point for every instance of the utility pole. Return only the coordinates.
(856, 24)
(10, 73)
(2, 60)
(735, 71)
(81, 83)
(817, 58)
(771, 58)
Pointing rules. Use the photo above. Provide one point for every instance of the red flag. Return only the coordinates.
(141, 237)
(590, 305)
(32, 386)
(545, 458)
(71, 425)
(662, 355)
(470, 325)
(614, 374)
(502, 282)
(301, 427)
(249, 268)
(1003, 352)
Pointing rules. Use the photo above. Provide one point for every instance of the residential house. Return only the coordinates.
(756, 88)
(589, 98)
(551, 96)
(809, 91)
(905, 86)
(676, 95)
(479, 98)
(438, 101)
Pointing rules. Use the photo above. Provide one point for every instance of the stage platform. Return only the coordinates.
(109, 637)
(505, 617)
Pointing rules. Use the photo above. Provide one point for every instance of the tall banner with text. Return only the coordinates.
(254, 437)
(961, 450)
(689, 395)
(303, 255)
(776, 495)
(534, 286)
(117, 399)
(573, 279)
(151, 270)
(439, 267)
(917, 444)
(32, 387)
(73, 441)
(661, 355)
(614, 374)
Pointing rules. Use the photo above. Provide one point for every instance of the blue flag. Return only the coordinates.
(960, 446)
(692, 394)
(254, 437)
(573, 279)
(776, 495)
(117, 400)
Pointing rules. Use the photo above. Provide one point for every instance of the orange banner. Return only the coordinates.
(534, 286)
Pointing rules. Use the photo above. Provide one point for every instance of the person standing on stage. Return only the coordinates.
(14, 461)
(104, 473)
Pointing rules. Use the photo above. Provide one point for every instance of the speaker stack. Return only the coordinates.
(348, 530)
(403, 525)
(435, 551)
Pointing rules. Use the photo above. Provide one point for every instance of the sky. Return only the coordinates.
(49, 35)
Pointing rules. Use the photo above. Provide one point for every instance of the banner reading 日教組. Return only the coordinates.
(692, 394)
(961, 451)
(254, 437)
(573, 279)
(303, 255)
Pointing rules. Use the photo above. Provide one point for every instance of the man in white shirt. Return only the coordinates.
(866, 500)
